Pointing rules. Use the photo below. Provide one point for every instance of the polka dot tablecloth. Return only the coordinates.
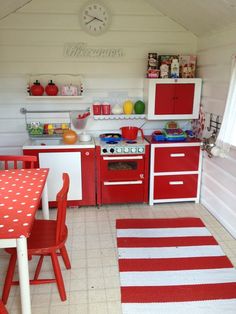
(20, 194)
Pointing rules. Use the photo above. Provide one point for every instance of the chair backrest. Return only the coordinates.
(16, 162)
(62, 206)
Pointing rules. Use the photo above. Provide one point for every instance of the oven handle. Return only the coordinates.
(122, 157)
(122, 182)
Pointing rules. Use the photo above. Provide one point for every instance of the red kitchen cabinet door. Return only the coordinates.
(176, 158)
(175, 186)
(183, 98)
(174, 99)
(164, 99)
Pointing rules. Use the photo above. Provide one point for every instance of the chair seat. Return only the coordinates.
(42, 239)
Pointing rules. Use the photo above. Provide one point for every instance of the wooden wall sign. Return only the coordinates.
(81, 50)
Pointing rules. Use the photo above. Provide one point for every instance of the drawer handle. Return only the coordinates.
(176, 182)
(177, 155)
(122, 182)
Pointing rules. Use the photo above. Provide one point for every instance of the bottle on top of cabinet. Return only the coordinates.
(174, 73)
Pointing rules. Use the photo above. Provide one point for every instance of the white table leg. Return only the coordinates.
(45, 207)
(22, 257)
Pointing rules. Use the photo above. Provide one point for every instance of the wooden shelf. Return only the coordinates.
(119, 117)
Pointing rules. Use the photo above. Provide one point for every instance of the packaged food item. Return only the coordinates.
(174, 73)
(165, 62)
(164, 70)
(69, 90)
(187, 65)
(152, 70)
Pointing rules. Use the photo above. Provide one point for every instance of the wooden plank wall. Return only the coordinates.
(215, 53)
(32, 41)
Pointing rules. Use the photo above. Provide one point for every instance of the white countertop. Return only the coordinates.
(55, 143)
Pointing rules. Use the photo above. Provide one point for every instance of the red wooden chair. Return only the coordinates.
(48, 238)
(3, 310)
(21, 161)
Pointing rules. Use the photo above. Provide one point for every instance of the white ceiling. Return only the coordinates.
(197, 16)
(10, 6)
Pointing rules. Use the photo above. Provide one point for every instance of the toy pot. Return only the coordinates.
(131, 132)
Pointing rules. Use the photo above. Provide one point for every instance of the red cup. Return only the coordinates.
(106, 108)
(97, 108)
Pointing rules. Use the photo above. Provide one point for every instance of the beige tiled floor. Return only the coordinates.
(92, 284)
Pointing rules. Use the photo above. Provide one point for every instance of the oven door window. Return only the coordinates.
(124, 168)
(122, 165)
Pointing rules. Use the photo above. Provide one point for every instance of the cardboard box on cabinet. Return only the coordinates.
(187, 64)
(164, 62)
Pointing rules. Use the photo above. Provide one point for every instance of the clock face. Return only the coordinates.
(95, 18)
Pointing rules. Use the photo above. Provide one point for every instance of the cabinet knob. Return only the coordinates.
(87, 153)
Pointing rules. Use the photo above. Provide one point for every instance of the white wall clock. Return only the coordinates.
(95, 17)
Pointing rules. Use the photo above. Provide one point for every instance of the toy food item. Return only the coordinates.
(117, 109)
(128, 107)
(51, 89)
(48, 129)
(139, 107)
(70, 137)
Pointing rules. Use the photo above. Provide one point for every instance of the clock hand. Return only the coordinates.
(90, 21)
(94, 17)
(99, 19)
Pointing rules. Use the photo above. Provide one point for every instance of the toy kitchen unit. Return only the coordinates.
(46, 142)
(122, 169)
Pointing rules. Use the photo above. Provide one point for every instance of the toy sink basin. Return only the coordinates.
(47, 142)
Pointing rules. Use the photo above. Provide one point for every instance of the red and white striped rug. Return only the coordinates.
(173, 266)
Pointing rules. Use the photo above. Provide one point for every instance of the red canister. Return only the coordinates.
(97, 108)
(51, 89)
(36, 89)
(106, 108)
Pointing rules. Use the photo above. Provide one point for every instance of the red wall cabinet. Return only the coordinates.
(175, 171)
(172, 98)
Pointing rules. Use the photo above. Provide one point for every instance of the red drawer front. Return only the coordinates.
(130, 193)
(176, 159)
(177, 186)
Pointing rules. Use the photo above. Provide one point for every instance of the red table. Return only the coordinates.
(20, 194)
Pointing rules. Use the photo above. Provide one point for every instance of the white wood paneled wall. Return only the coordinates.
(218, 191)
(32, 41)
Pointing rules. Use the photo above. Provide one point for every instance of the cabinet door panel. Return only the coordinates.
(176, 159)
(183, 99)
(58, 163)
(164, 99)
(175, 186)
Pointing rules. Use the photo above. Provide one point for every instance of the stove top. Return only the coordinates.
(123, 147)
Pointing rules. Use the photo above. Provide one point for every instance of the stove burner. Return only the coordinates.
(112, 142)
(131, 142)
